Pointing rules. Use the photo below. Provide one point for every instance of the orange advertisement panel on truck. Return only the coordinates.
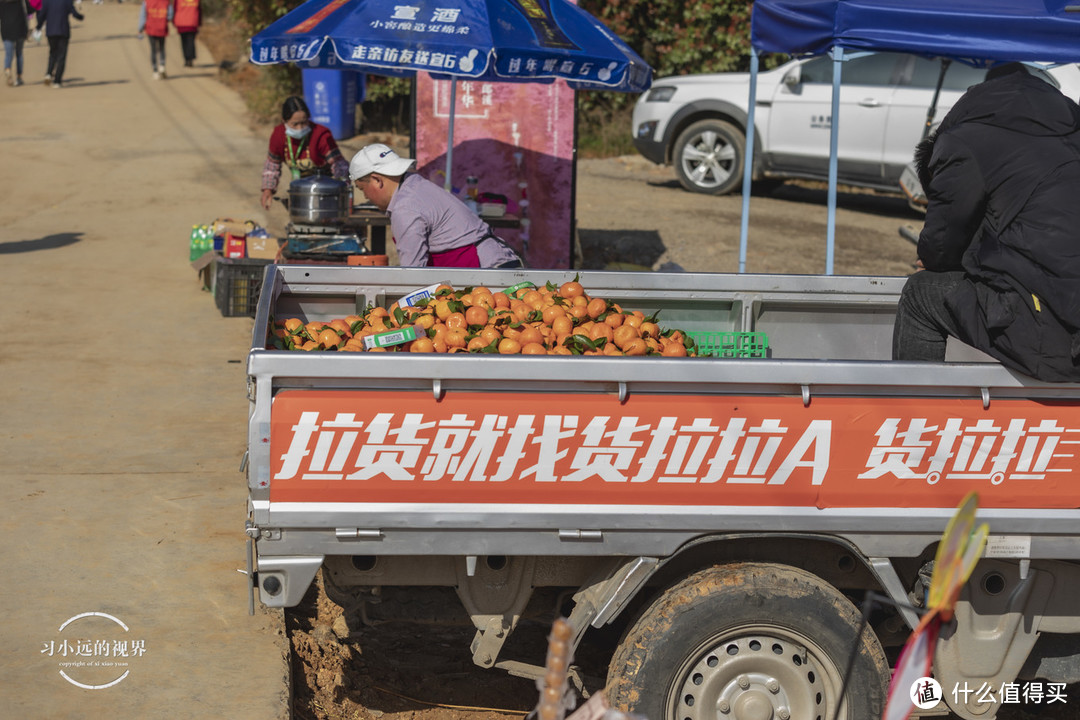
(400, 447)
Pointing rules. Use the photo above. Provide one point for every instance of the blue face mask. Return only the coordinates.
(298, 133)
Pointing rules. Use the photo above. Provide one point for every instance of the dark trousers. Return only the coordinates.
(187, 44)
(923, 324)
(157, 52)
(58, 45)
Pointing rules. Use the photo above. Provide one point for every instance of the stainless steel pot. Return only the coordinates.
(319, 200)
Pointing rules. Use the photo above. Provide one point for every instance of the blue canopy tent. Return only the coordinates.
(977, 32)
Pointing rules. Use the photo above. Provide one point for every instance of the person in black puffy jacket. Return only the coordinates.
(1001, 241)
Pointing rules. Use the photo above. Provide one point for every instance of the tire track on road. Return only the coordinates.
(226, 161)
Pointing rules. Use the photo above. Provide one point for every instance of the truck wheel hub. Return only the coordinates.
(753, 705)
(753, 677)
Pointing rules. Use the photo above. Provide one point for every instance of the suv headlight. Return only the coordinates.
(660, 94)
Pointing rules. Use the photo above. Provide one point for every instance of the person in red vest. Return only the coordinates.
(154, 18)
(187, 20)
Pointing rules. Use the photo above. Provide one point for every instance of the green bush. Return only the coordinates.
(213, 9)
(257, 14)
(274, 83)
(676, 37)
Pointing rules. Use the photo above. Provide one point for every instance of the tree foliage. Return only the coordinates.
(677, 37)
(257, 14)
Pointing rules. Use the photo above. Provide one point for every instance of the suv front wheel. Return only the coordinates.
(708, 157)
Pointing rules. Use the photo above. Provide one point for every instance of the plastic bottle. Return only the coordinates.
(196, 244)
(200, 240)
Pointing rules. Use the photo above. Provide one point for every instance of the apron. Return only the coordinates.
(467, 257)
(463, 257)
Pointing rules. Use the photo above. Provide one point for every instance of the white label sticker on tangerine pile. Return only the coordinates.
(393, 337)
(416, 296)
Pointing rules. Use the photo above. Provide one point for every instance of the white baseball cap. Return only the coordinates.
(378, 158)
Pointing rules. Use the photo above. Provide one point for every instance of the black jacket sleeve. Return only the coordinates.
(956, 203)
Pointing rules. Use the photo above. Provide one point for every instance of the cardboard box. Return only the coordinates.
(223, 226)
(263, 247)
(204, 265)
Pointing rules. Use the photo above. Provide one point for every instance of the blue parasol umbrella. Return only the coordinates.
(491, 40)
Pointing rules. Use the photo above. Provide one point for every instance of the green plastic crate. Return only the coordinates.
(731, 344)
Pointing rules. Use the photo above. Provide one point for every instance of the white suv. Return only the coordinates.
(698, 122)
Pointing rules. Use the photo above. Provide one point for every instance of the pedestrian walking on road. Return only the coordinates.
(54, 17)
(187, 20)
(154, 19)
(14, 28)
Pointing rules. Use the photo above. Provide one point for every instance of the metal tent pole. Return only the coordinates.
(834, 124)
(748, 165)
(449, 186)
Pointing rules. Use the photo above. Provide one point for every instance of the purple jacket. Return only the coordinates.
(427, 220)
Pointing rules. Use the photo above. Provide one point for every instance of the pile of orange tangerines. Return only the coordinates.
(550, 320)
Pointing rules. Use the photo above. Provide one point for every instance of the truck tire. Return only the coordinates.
(748, 641)
(709, 156)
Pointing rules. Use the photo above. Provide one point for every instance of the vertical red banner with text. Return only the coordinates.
(517, 140)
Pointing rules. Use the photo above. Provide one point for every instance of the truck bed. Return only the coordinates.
(414, 454)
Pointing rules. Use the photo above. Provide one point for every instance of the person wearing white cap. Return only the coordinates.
(430, 227)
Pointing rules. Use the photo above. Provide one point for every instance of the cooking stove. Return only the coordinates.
(335, 241)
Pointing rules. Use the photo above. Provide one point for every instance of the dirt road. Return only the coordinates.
(124, 425)
(630, 210)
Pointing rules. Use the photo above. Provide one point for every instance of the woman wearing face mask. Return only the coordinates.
(303, 146)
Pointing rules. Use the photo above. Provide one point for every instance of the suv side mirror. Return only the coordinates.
(792, 78)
